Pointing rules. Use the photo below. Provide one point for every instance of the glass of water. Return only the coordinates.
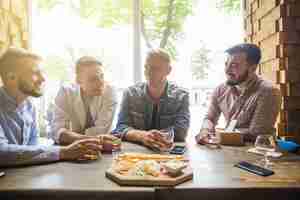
(266, 145)
(168, 136)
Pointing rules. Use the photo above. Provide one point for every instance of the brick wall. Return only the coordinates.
(274, 25)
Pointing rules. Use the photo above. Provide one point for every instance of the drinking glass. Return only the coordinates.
(266, 145)
(168, 136)
(116, 148)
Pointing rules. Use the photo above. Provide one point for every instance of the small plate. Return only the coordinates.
(174, 167)
(2, 174)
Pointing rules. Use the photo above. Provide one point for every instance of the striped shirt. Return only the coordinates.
(19, 134)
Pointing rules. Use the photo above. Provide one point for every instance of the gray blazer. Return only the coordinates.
(69, 111)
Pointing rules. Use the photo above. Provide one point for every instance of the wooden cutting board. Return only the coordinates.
(161, 180)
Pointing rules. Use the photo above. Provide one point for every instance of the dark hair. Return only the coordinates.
(252, 51)
(86, 60)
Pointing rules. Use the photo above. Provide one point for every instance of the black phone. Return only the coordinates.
(254, 168)
(178, 149)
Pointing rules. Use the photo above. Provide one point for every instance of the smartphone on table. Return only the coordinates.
(258, 170)
(178, 149)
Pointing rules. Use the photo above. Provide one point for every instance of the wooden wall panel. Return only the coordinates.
(269, 70)
(292, 63)
(13, 24)
(286, 116)
(289, 76)
(270, 47)
(293, 9)
(265, 7)
(291, 89)
(268, 24)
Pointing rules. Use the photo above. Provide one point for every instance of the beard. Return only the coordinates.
(240, 80)
(29, 89)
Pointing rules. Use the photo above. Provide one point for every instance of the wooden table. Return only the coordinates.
(214, 178)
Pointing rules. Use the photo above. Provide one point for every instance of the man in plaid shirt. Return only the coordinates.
(245, 99)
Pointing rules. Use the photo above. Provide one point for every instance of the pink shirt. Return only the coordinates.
(255, 108)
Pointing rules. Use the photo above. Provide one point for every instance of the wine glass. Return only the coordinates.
(116, 148)
(168, 136)
(266, 145)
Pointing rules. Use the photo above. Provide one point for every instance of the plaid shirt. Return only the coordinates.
(255, 109)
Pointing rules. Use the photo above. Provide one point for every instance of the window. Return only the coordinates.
(195, 32)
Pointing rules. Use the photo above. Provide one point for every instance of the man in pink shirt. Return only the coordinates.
(249, 103)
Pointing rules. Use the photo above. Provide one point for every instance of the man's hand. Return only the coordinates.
(153, 138)
(110, 142)
(68, 137)
(148, 140)
(107, 138)
(204, 136)
(156, 139)
(81, 150)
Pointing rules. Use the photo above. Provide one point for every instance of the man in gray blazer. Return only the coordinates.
(86, 108)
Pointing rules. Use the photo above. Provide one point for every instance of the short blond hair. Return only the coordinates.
(85, 61)
(161, 53)
(12, 60)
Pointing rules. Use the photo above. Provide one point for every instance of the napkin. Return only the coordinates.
(271, 154)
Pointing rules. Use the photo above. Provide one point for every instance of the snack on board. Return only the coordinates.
(145, 167)
(138, 169)
(139, 164)
(140, 156)
(123, 166)
(174, 166)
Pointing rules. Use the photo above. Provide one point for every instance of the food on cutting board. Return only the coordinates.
(174, 167)
(140, 156)
(138, 164)
(145, 167)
